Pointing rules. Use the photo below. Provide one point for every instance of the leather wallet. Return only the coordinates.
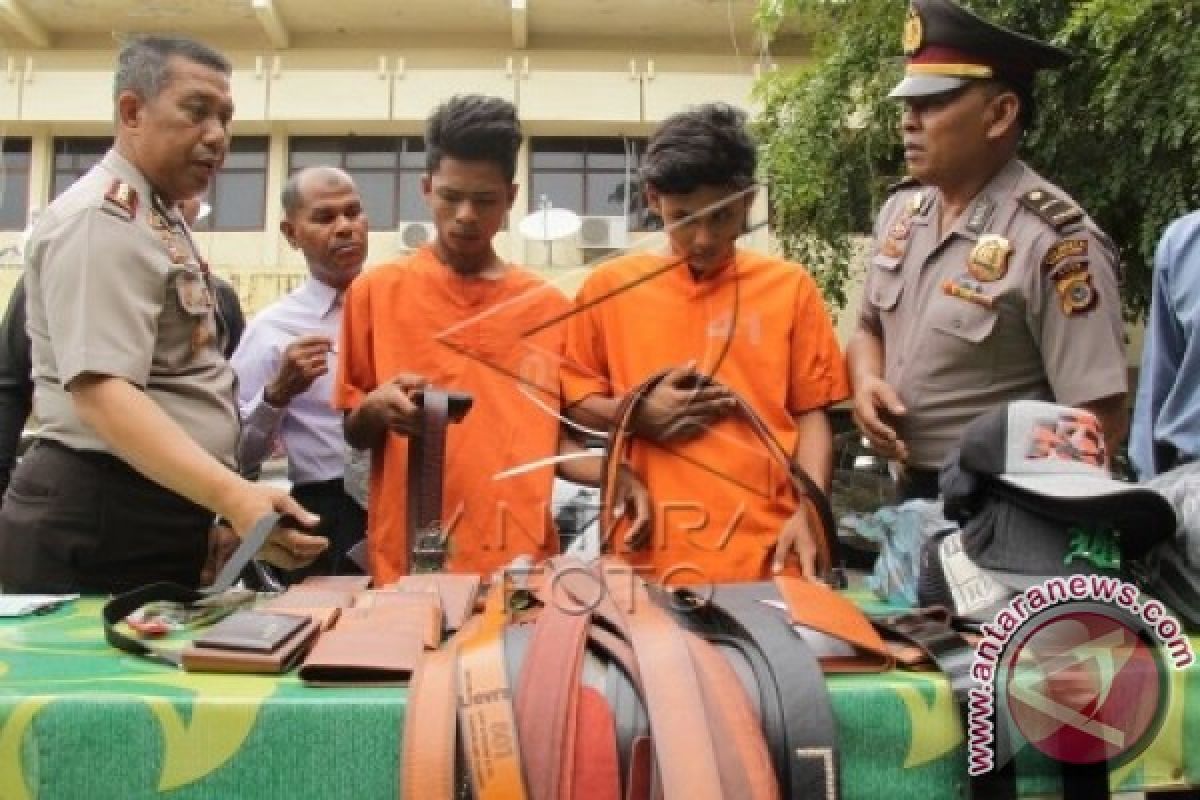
(344, 583)
(837, 631)
(197, 658)
(377, 645)
(425, 607)
(255, 631)
(458, 594)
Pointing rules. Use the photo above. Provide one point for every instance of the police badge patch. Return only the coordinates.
(1076, 293)
(989, 259)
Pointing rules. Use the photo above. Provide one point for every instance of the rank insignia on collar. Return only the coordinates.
(989, 258)
(981, 214)
(124, 197)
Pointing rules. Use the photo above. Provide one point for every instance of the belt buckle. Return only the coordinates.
(429, 549)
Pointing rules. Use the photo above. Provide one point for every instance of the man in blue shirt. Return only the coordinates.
(1166, 415)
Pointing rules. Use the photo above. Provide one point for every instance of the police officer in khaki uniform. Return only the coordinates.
(136, 399)
(986, 282)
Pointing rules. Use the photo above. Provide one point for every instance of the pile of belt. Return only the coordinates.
(588, 683)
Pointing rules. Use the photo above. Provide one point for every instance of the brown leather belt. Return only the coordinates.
(695, 713)
(430, 725)
(426, 465)
(820, 512)
(553, 710)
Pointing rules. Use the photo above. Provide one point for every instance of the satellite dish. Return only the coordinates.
(550, 224)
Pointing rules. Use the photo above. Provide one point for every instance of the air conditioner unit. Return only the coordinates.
(609, 233)
(411, 235)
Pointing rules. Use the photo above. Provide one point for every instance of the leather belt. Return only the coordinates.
(426, 465)
(490, 742)
(694, 712)
(929, 629)
(430, 725)
(821, 513)
(548, 696)
(780, 674)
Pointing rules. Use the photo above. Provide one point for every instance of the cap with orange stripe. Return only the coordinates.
(947, 46)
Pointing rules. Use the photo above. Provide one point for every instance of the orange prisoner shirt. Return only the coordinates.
(417, 316)
(761, 328)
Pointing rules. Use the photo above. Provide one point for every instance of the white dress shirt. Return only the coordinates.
(309, 427)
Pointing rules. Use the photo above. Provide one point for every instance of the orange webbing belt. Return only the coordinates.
(428, 754)
(489, 731)
(621, 437)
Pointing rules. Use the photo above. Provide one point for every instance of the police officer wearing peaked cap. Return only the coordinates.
(986, 282)
(947, 46)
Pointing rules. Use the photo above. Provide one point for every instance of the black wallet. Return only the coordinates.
(253, 631)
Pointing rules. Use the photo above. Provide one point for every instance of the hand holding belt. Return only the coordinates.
(427, 532)
(621, 438)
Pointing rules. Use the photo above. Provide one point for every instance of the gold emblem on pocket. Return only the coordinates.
(989, 259)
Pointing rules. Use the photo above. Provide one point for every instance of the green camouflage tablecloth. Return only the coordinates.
(79, 720)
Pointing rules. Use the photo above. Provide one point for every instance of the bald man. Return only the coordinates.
(284, 379)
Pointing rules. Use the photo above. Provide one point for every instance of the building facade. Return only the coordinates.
(350, 83)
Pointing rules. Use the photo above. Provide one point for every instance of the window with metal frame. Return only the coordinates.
(387, 170)
(73, 156)
(238, 194)
(595, 176)
(15, 156)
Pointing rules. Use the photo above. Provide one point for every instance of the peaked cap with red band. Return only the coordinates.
(947, 46)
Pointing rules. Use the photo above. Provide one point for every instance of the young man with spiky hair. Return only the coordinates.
(722, 510)
(455, 315)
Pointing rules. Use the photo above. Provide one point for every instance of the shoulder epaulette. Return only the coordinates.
(907, 182)
(123, 198)
(1054, 211)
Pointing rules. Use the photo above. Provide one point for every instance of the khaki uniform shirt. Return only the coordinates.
(117, 288)
(969, 320)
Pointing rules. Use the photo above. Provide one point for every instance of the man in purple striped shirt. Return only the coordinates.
(283, 362)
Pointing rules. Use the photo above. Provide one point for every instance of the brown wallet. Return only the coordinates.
(251, 642)
(374, 645)
(457, 593)
(836, 630)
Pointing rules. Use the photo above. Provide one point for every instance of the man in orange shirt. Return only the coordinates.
(756, 324)
(453, 315)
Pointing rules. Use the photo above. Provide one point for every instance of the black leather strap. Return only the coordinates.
(929, 629)
(780, 674)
